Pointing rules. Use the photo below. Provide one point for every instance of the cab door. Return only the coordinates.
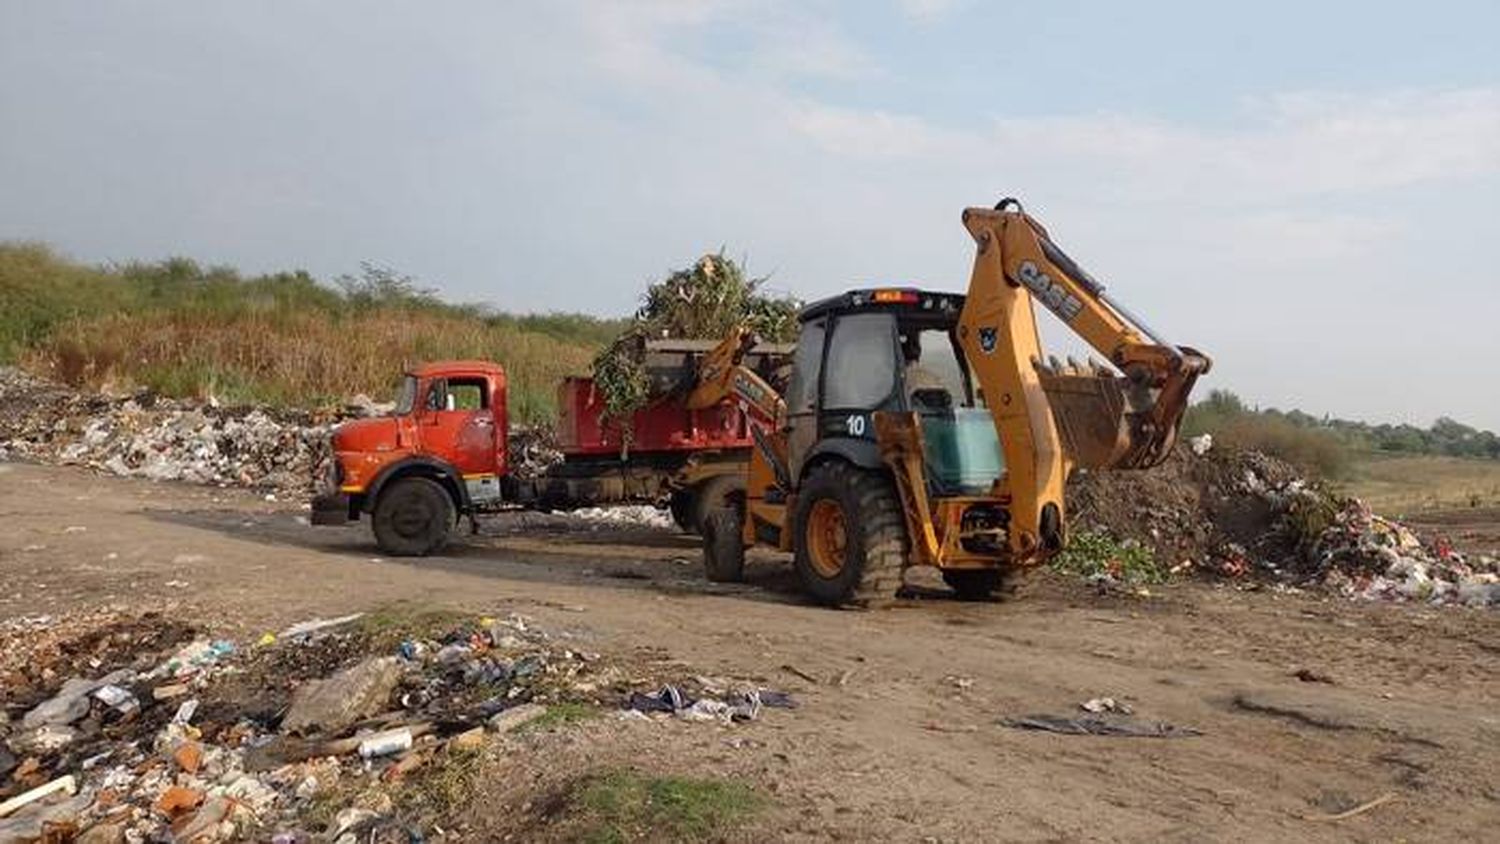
(856, 376)
(459, 427)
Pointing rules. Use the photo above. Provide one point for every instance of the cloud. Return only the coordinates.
(1285, 147)
(927, 11)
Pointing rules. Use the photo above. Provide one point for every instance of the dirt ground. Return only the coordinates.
(898, 735)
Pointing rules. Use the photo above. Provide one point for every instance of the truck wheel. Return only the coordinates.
(684, 508)
(850, 539)
(723, 547)
(413, 518)
(721, 492)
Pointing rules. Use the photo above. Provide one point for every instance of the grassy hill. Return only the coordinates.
(283, 338)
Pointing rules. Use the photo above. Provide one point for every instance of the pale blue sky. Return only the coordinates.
(1307, 191)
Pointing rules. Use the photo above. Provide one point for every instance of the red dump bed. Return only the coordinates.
(663, 426)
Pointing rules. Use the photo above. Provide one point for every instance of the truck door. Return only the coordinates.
(459, 427)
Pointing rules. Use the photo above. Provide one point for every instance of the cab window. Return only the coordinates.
(860, 371)
(803, 392)
(467, 394)
(406, 399)
(458, 394)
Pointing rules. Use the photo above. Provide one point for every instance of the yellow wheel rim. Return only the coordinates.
(827, 538)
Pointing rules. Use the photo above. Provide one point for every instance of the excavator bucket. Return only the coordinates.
(1109, 422)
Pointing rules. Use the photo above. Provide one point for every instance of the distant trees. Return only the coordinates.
(1227, 416)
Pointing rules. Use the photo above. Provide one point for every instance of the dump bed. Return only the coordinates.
(664, 425)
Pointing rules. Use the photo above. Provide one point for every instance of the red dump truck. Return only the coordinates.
(444, 452)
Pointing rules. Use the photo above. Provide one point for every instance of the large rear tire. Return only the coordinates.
(723, 547)
(413, 518)
(850, 543)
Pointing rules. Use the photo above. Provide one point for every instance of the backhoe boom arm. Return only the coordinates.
(1050, 417)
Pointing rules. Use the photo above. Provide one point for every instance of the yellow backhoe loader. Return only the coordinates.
(927, 429)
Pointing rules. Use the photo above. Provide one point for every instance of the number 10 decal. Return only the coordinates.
(856, 425)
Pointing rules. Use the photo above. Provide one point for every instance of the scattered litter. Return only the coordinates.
(1096, 726)
(185, 712)
(728, 708)
(799, 673)
(1357, 810)
(66, 784)
(210, 756)
(193, 658)
(1100, 705)
(386, 743)
(304, 630)
(511, 719)
(122, 701)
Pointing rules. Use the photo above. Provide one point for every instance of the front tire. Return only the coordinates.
(721, 493)
(723, 547)
(850, 539)
(413, 518)
(684, 508)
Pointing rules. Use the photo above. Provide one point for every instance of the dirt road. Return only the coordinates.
(899, 737)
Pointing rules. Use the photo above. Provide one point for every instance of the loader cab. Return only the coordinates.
(889, 349)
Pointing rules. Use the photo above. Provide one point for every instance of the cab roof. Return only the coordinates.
(910, 300)
(447, 367)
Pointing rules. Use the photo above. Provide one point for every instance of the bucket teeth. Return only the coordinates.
(1054, 364)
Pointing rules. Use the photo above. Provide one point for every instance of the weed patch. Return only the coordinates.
(626, 805)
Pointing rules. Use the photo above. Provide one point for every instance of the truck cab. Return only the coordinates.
(443, 449)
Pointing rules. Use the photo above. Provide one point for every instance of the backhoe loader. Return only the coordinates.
(925, 428)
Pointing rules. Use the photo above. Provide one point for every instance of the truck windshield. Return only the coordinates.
(406, 399)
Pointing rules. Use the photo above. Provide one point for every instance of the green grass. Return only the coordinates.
(625, 805)
(391, 624)
(1095, 552)
(282, 339)
(560, 715)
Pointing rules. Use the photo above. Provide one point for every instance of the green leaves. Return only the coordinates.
(704, 301)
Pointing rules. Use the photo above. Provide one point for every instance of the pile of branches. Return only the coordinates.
(704, 301)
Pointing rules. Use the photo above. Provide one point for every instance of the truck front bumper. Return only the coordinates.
(331, 509)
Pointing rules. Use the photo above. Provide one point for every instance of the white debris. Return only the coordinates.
(629, 515)
(163, 439)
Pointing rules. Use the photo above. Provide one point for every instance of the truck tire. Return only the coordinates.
(850, 542)
(413, 517)
(723, 547)
(721, 492)
(683, 506)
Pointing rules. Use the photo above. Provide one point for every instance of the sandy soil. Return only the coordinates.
(898, 737)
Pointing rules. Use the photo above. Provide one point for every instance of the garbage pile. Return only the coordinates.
(139, 729)
(1369, 556)
(532, 451)
(1237, 514)
(147, 436)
